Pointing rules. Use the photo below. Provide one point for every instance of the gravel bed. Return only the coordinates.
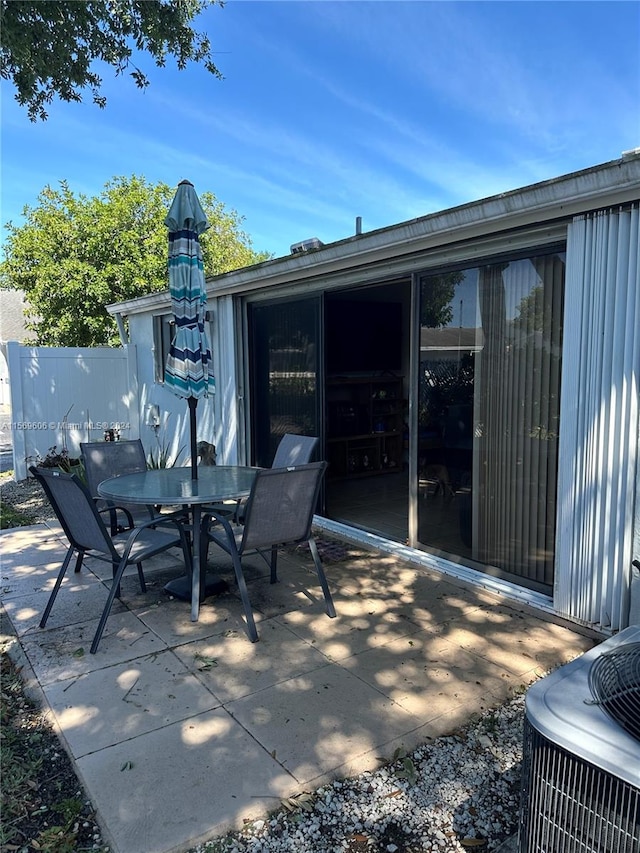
(28, 497)
(456, 793)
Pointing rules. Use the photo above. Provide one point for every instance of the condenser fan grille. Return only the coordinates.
(614, 681)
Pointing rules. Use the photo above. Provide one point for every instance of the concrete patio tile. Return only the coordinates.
(116, 703)
(135, 599)
(168, 561)
(364, 570)
(231, 666)
(427, 675)
(253, 565)
(296, 588)
(516, 640)
(24, 578)
(324, 722)
(13, 537)
(63, 652)
(360, 623)
(30, 546)
(81, 597)
(451, 721)
(170, 619)
(362, 576)
(179, 785)
(430, 592)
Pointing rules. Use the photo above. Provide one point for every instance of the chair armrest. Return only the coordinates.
(171, 518)
(113, 510)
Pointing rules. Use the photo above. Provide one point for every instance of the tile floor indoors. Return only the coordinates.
(182, 730)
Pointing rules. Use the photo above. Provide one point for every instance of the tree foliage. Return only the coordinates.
(437, 295)
(74, 255)
(51, 48)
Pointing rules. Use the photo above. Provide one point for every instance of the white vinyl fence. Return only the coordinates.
(61, 396)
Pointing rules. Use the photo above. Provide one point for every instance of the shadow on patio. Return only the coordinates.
(213, 729)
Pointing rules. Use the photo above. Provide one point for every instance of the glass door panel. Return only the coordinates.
(488, 416)
(284, 379)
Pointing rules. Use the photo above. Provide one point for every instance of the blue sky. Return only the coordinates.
(333, 110)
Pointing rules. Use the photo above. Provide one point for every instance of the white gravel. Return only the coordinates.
(457, 793)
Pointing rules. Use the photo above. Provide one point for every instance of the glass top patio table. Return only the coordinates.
(174, 485)
(171, 486)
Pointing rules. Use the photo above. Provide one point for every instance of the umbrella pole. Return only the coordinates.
(193, 402)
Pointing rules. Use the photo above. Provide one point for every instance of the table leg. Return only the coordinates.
(184, 586)
(195, 573)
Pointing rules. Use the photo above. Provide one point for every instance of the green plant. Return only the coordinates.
(60, 838)
(162, 458)
(11, 517)
(62, 460)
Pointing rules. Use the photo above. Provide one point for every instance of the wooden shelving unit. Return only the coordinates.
(364, 426)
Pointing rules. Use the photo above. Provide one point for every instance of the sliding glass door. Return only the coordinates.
(284, 351)
(488, 415)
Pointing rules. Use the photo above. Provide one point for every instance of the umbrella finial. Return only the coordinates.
(185, 181)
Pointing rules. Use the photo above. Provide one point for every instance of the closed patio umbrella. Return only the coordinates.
(187, 371)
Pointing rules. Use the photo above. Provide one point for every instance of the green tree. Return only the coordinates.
(437, 295)
(530, 315)
(50, 48)
(74, 255)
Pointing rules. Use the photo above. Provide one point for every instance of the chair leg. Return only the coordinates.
(79, 560)
(274, 564)
(143, 586)
(113, 592)
(54, 591)
(330, 609)
(244, 595)
(114, 572)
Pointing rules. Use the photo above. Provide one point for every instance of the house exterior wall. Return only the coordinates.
(593, 576)
(599, 420)
(163, 417)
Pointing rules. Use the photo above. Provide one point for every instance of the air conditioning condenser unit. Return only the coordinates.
(581, 755)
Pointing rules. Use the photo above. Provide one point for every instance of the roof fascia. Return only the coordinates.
(607, 185)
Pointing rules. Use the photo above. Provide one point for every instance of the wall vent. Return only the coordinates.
(581, 767)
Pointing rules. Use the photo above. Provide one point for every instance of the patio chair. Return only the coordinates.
(291, 450)
(294, 450)
(83, 526)
(279, 512)
(106, 459)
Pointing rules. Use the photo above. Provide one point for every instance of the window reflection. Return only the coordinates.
(489, 397)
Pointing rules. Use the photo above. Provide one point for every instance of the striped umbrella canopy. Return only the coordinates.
(188, 368)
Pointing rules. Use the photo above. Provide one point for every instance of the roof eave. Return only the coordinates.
(609, 184)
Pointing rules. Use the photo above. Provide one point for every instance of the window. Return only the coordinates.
(164, 328)
(489, 409)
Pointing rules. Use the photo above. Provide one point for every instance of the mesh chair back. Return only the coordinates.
(106, 459)
(75, 510)
(281, 506)
(294, 450)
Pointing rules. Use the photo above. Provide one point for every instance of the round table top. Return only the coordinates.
(175, 486)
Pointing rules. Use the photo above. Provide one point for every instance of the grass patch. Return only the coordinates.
(11, 517)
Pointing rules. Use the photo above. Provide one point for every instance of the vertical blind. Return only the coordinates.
(517, 408)
(598, 453)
